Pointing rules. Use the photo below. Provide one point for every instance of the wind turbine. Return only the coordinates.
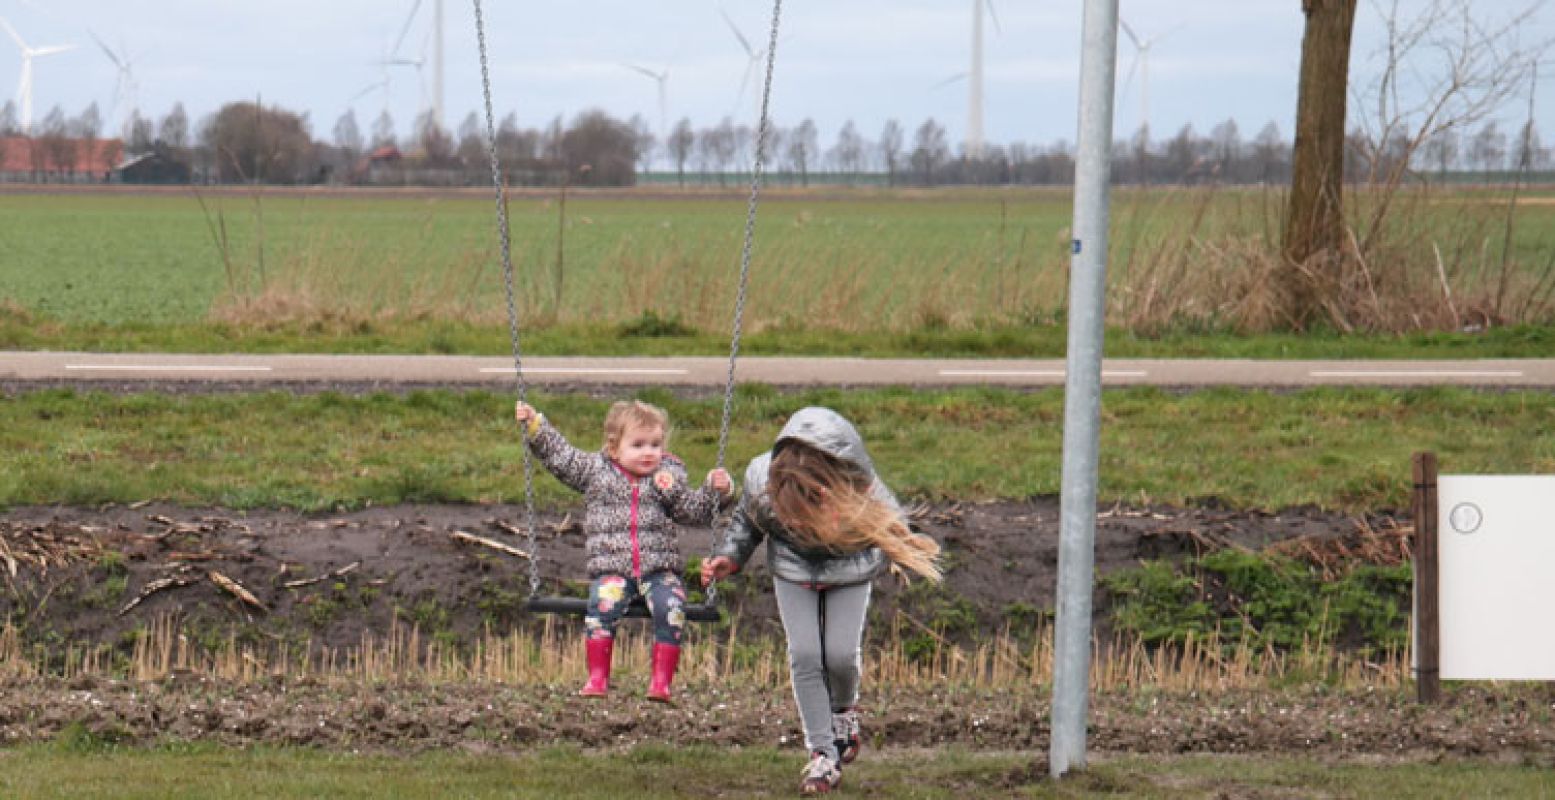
(1142, 61)
(24, 86)
(125, 86)
(661, 78)
(974, 123)
(755, 57)
(435, 38)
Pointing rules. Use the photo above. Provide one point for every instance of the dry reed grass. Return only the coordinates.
(554, 653)
(1188, 258)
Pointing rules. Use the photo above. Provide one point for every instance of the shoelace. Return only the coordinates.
(820, 767)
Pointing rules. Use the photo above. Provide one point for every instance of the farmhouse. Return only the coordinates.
(58, 159)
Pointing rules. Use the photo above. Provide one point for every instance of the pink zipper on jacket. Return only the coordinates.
(637, 556)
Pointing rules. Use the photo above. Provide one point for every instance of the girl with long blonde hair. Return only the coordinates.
(831, 527)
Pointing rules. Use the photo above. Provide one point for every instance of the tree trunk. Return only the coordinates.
(1314, 224)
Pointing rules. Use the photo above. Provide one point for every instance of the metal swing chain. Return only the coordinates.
(507, 278)
(745, 256)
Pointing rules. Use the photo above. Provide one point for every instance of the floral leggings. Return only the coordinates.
(609, 596)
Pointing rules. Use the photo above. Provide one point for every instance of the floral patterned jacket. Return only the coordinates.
(630, 522)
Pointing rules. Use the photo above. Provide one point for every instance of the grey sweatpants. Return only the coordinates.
(825, 628)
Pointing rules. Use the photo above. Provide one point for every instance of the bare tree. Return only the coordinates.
(437, 147)
(86, 129)
(891, 149)
(142, 138)
(1487, 150)
(802, 144)
(472, 141)
(848, 153)
(60, 150)
(930, 150)
(8, 121)
(1314, 224)
(383, 130)
(643, 141)
(1226, 148)
(348, 137)
(680, 144)
(717, 147)
(174, 131)
(1441, 150)
(1442, 70)
(1269, 151)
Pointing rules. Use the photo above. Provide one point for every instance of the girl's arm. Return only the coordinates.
(699, 506)
(743, 534)
(573, 467)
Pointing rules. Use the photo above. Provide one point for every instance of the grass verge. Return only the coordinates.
(1345, 449)
(76, 766)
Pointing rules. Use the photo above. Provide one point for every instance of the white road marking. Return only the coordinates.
(1415, 373)
(1032, 373)
(587, 371)
(168, 367)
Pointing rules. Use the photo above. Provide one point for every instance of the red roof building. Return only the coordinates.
(35, 159)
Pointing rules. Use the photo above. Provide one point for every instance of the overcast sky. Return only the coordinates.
(862, 60)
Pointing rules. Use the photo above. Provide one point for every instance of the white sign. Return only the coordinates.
(1496, 545)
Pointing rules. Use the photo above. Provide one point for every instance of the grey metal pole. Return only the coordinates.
(1082, 387)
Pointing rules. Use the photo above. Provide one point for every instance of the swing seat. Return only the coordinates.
(638, 609)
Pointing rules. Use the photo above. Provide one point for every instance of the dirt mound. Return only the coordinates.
(98, 575)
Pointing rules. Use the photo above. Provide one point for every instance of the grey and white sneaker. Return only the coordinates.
(845, 730)
(821, 775)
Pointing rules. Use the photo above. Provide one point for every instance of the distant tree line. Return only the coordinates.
(251, 142)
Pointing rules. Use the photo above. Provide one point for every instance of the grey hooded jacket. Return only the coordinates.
(827, 431)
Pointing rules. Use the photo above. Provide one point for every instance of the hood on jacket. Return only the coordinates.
(830, 433)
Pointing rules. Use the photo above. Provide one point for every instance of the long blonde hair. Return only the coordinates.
(826, 504)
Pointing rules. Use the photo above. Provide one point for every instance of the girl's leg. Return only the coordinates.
(846, 607)
(666, 601)
(666, 597)
(800, 609)
(608, 598)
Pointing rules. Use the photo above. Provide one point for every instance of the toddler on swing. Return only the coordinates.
(634, 494)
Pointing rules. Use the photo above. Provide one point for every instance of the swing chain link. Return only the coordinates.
(745, 260)
(507, 278)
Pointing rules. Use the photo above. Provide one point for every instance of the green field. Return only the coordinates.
(961, 271)
(651, 771)
(1335, 448)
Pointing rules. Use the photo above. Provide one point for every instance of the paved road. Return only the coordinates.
(786, 371)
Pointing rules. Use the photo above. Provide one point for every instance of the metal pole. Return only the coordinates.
(1082, 387)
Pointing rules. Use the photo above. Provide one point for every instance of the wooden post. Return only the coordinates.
(1428, 642)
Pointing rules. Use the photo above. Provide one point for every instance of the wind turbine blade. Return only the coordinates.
(644, 70)
(405, 29)
(745, 43)
(53, 49)
(366, 91)
(994, 15)
(106, 50)
(959, 76)
(16, 37)
(1129, 78)
(1130, 32)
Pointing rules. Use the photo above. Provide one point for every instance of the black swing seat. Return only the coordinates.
(578, 606)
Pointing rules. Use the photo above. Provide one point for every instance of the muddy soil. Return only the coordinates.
(1473, 723)
(329, 578)
(77, 569)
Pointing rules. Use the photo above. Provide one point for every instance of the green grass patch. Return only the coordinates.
(1260, 602)
(1336, 448)
(950, 273)
(77, 769)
